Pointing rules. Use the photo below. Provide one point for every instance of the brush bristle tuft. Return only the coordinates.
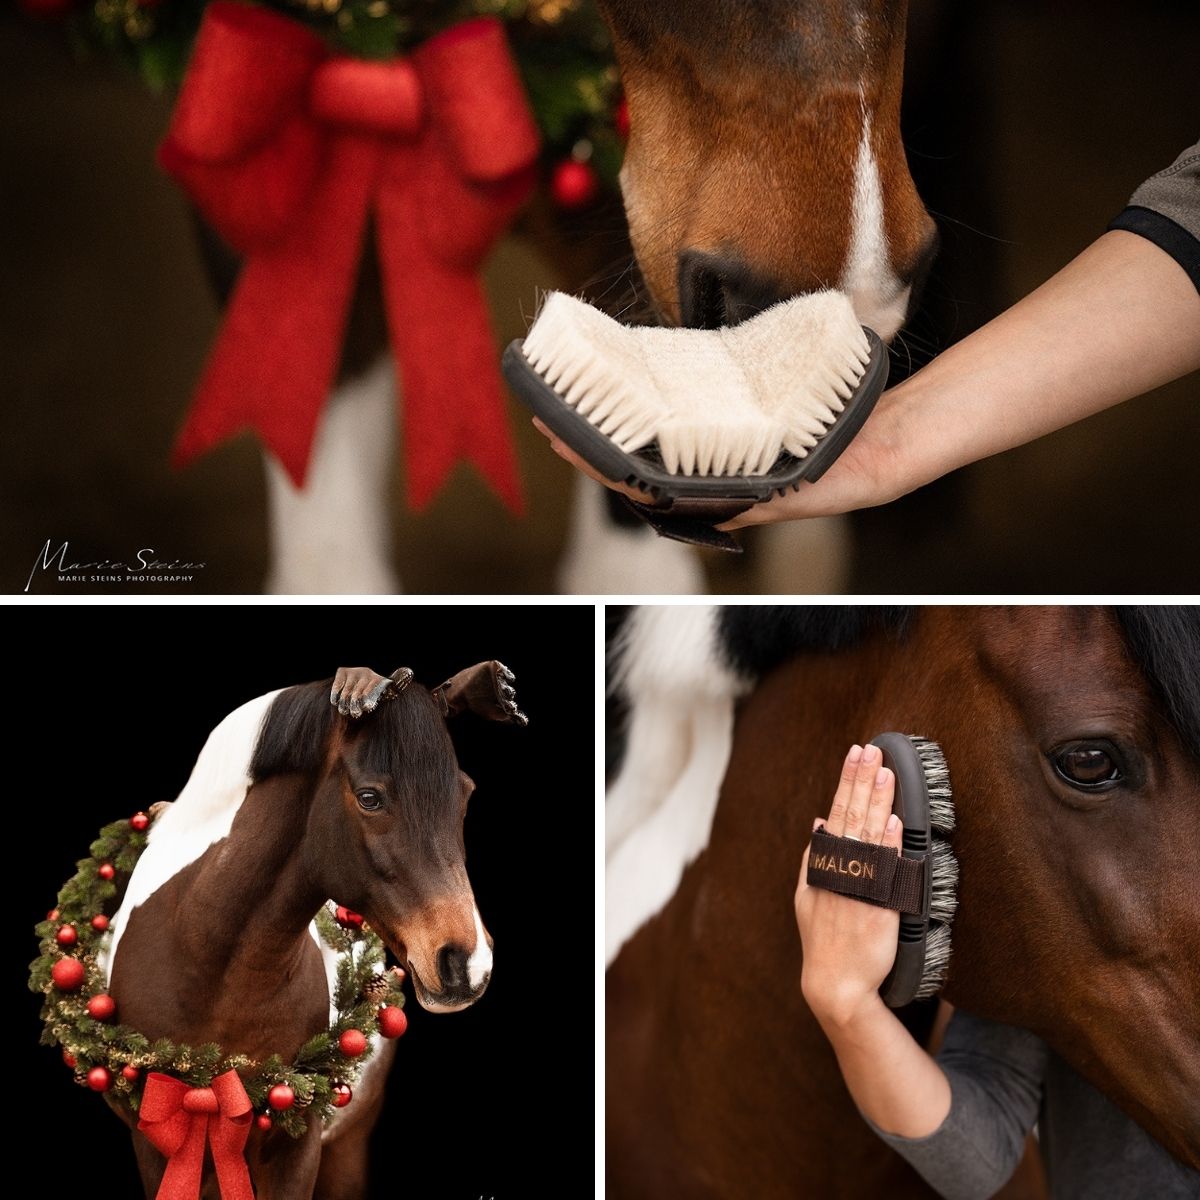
(943, 899)
(717, 401)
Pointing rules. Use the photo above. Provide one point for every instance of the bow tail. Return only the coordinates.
(454, 405)
(274, 359)
(181, 1179)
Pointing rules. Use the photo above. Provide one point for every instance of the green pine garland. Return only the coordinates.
(562, 49)
(317, 1067)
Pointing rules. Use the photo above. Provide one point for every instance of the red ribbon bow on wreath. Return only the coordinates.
(178, 1120)
(286, 148)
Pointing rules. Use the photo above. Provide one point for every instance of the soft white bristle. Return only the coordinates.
(717, 401)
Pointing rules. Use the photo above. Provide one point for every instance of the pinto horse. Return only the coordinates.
(1073, 738)
(297, 797)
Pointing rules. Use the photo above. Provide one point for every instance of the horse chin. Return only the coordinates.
(444, 1002)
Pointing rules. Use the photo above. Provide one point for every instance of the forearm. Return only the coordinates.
(1121, 319)
(892, 1080)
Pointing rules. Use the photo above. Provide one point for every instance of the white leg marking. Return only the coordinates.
(880, 300)
(661, 805)
(605, 559)
(479, 965)
(334, 536)
(203, 812)
(805, 557)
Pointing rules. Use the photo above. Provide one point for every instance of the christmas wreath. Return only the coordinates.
(561, 47)
(80, 1016)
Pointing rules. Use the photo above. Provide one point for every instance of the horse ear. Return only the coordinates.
(487, 689)
(358, 690)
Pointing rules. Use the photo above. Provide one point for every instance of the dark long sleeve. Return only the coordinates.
(996, 1074)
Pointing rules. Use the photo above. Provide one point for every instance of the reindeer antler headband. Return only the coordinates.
(487, 689)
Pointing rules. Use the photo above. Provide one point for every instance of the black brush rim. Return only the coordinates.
(620, 466)
(911, 805)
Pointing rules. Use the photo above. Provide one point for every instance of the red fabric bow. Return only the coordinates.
(286, 148)
(178, 1119)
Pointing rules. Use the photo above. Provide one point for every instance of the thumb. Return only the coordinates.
(893, 832)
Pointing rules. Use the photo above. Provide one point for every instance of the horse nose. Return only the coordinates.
(720, 289)
(452, 968)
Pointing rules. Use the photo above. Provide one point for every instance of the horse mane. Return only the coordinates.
(756, 638)
(1164, 641)
(405, 739)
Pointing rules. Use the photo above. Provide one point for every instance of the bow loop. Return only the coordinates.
(247, 74)
(478, 100)
(382, 98)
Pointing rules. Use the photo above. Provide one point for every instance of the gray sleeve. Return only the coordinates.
(995, 1073)
(1166, 211)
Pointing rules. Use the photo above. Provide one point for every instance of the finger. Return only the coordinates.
(860, 793)
(841, 798)
(581, 464)
(893, 832)
(879, 806)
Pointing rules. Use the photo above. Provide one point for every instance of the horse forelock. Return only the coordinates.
(404, 741)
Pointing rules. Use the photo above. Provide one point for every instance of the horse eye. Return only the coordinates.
(1088, 766)
(369, 801)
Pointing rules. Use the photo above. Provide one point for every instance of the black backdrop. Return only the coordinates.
(475, 1098)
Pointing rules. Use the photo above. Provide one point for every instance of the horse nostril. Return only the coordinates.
(452, 967)
(717, 289)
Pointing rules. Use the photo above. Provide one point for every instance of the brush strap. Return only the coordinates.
(870, 872)
(693, 519)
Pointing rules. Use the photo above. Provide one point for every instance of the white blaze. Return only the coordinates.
(880, 300)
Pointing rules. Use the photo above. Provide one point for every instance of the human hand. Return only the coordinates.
(849, 945)
(873, 469)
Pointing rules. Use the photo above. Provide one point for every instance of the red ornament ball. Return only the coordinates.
(352, 1043)
(139, 821)
(99, 1079)
(106, 871)
(130, 1073)
(574, 184)
(347, 918)
(281, 1097)
(100, 922)
(263, 1121)
(102, 1007)
(392, 1021)
(69, 1059)
(621, 117)
(52, 915)
(67, 974)
(66, 935)
(340, 1095)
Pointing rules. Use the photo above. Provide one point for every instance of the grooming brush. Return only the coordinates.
(925, 805)
(707, 421)
(921, 883)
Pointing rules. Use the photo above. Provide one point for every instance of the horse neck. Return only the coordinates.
(250, 902)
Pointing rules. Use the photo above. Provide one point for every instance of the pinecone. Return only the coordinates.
(303, 1099)
(376, 989)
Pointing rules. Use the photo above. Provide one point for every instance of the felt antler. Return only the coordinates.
(486, 689)
(358, 690)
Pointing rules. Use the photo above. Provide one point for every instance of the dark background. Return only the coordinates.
(1028, 125)
(474, 1098)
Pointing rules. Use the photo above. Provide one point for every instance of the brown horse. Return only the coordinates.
(1072, 736)
(298, 797)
